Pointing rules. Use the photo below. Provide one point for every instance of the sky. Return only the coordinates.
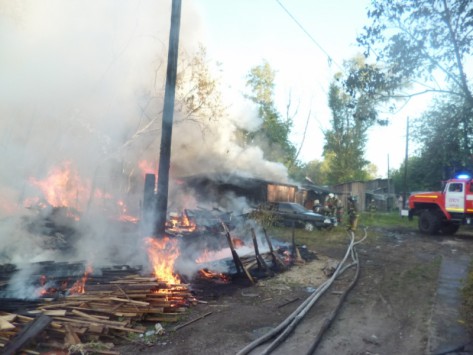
(243, 33)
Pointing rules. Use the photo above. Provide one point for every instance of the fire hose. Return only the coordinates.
(287, 326)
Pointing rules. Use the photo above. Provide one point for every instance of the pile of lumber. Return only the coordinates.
(102, 313)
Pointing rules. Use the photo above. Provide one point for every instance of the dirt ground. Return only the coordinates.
(389, 311)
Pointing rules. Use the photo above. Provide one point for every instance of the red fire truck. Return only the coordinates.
(444, 211)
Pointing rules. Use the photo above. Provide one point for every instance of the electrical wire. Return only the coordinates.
(329, 58)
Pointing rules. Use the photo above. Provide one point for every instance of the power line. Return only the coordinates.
(329, 58)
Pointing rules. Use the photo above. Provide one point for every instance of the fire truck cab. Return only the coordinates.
(444, 211)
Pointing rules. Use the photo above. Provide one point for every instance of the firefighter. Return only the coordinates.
(339, 207)
(330, 205)
(317, 207)
(352, 211)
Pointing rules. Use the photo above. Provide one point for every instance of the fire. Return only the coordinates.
(162, 254)
(186, 222)
(124, 216)
(180, 222)
(212, 255)
(147, 167)
(79, 285)
(207, 274)
(237, 242)
(62, 187)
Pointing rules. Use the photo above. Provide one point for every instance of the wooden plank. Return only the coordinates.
(191, 321)
(27, 334)
(9, 317)
(71, 338)
(6, 325)
(95, 321)
(51, 312)
(88, 316)
(140, 303)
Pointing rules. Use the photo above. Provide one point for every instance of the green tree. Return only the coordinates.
(273, 136)
(417, 39)
(443, 138)
(353, 113)
(423, 45)
(317, 171)
(419, 176)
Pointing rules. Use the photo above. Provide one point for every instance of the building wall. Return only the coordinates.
(283, 193)
(355, 188)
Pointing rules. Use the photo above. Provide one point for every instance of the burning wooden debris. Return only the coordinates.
(97, 313)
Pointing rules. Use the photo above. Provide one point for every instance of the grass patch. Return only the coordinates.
(385, 219)
(338, 235)
(467, 302)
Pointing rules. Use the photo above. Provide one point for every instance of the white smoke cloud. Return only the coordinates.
(78, 79)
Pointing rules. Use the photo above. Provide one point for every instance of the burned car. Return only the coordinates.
(293, 214)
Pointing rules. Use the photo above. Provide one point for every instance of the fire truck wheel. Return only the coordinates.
(449, 229)
(309, 227)
(429, 222)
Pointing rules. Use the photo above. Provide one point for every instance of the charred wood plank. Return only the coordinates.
(236, 258)
(27, 334)
(259, 258)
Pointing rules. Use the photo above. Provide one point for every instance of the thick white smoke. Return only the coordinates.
(79, 81)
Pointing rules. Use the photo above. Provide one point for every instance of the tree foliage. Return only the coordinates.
(445, 133)
(441, 153)
(198, 98)
(419, 39)
(353, 112)
(424, 46)
(317, 172)
(419, 176)
(273, 135)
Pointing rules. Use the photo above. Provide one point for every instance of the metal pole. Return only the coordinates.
(166, 131)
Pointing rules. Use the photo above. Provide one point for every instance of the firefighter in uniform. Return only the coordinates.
(352, 211)
(339, 207)
(331, 205)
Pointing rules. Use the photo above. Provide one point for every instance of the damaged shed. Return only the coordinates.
(215, 187)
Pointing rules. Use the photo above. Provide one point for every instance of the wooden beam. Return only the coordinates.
(28, 333)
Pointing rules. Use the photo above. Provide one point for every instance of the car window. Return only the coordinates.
(456, 187)
(285, 208)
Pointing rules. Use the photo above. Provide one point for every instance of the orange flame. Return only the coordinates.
(147, 167)
(207, 274)
(212, 255)
(79, 285)
(124, 216)
(187, 223)
(62, 187)
(162, 254)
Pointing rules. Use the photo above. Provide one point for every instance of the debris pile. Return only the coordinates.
(103, 313)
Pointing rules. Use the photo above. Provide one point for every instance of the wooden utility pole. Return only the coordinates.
(404, 194)
(168, 111)
(388, 204)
